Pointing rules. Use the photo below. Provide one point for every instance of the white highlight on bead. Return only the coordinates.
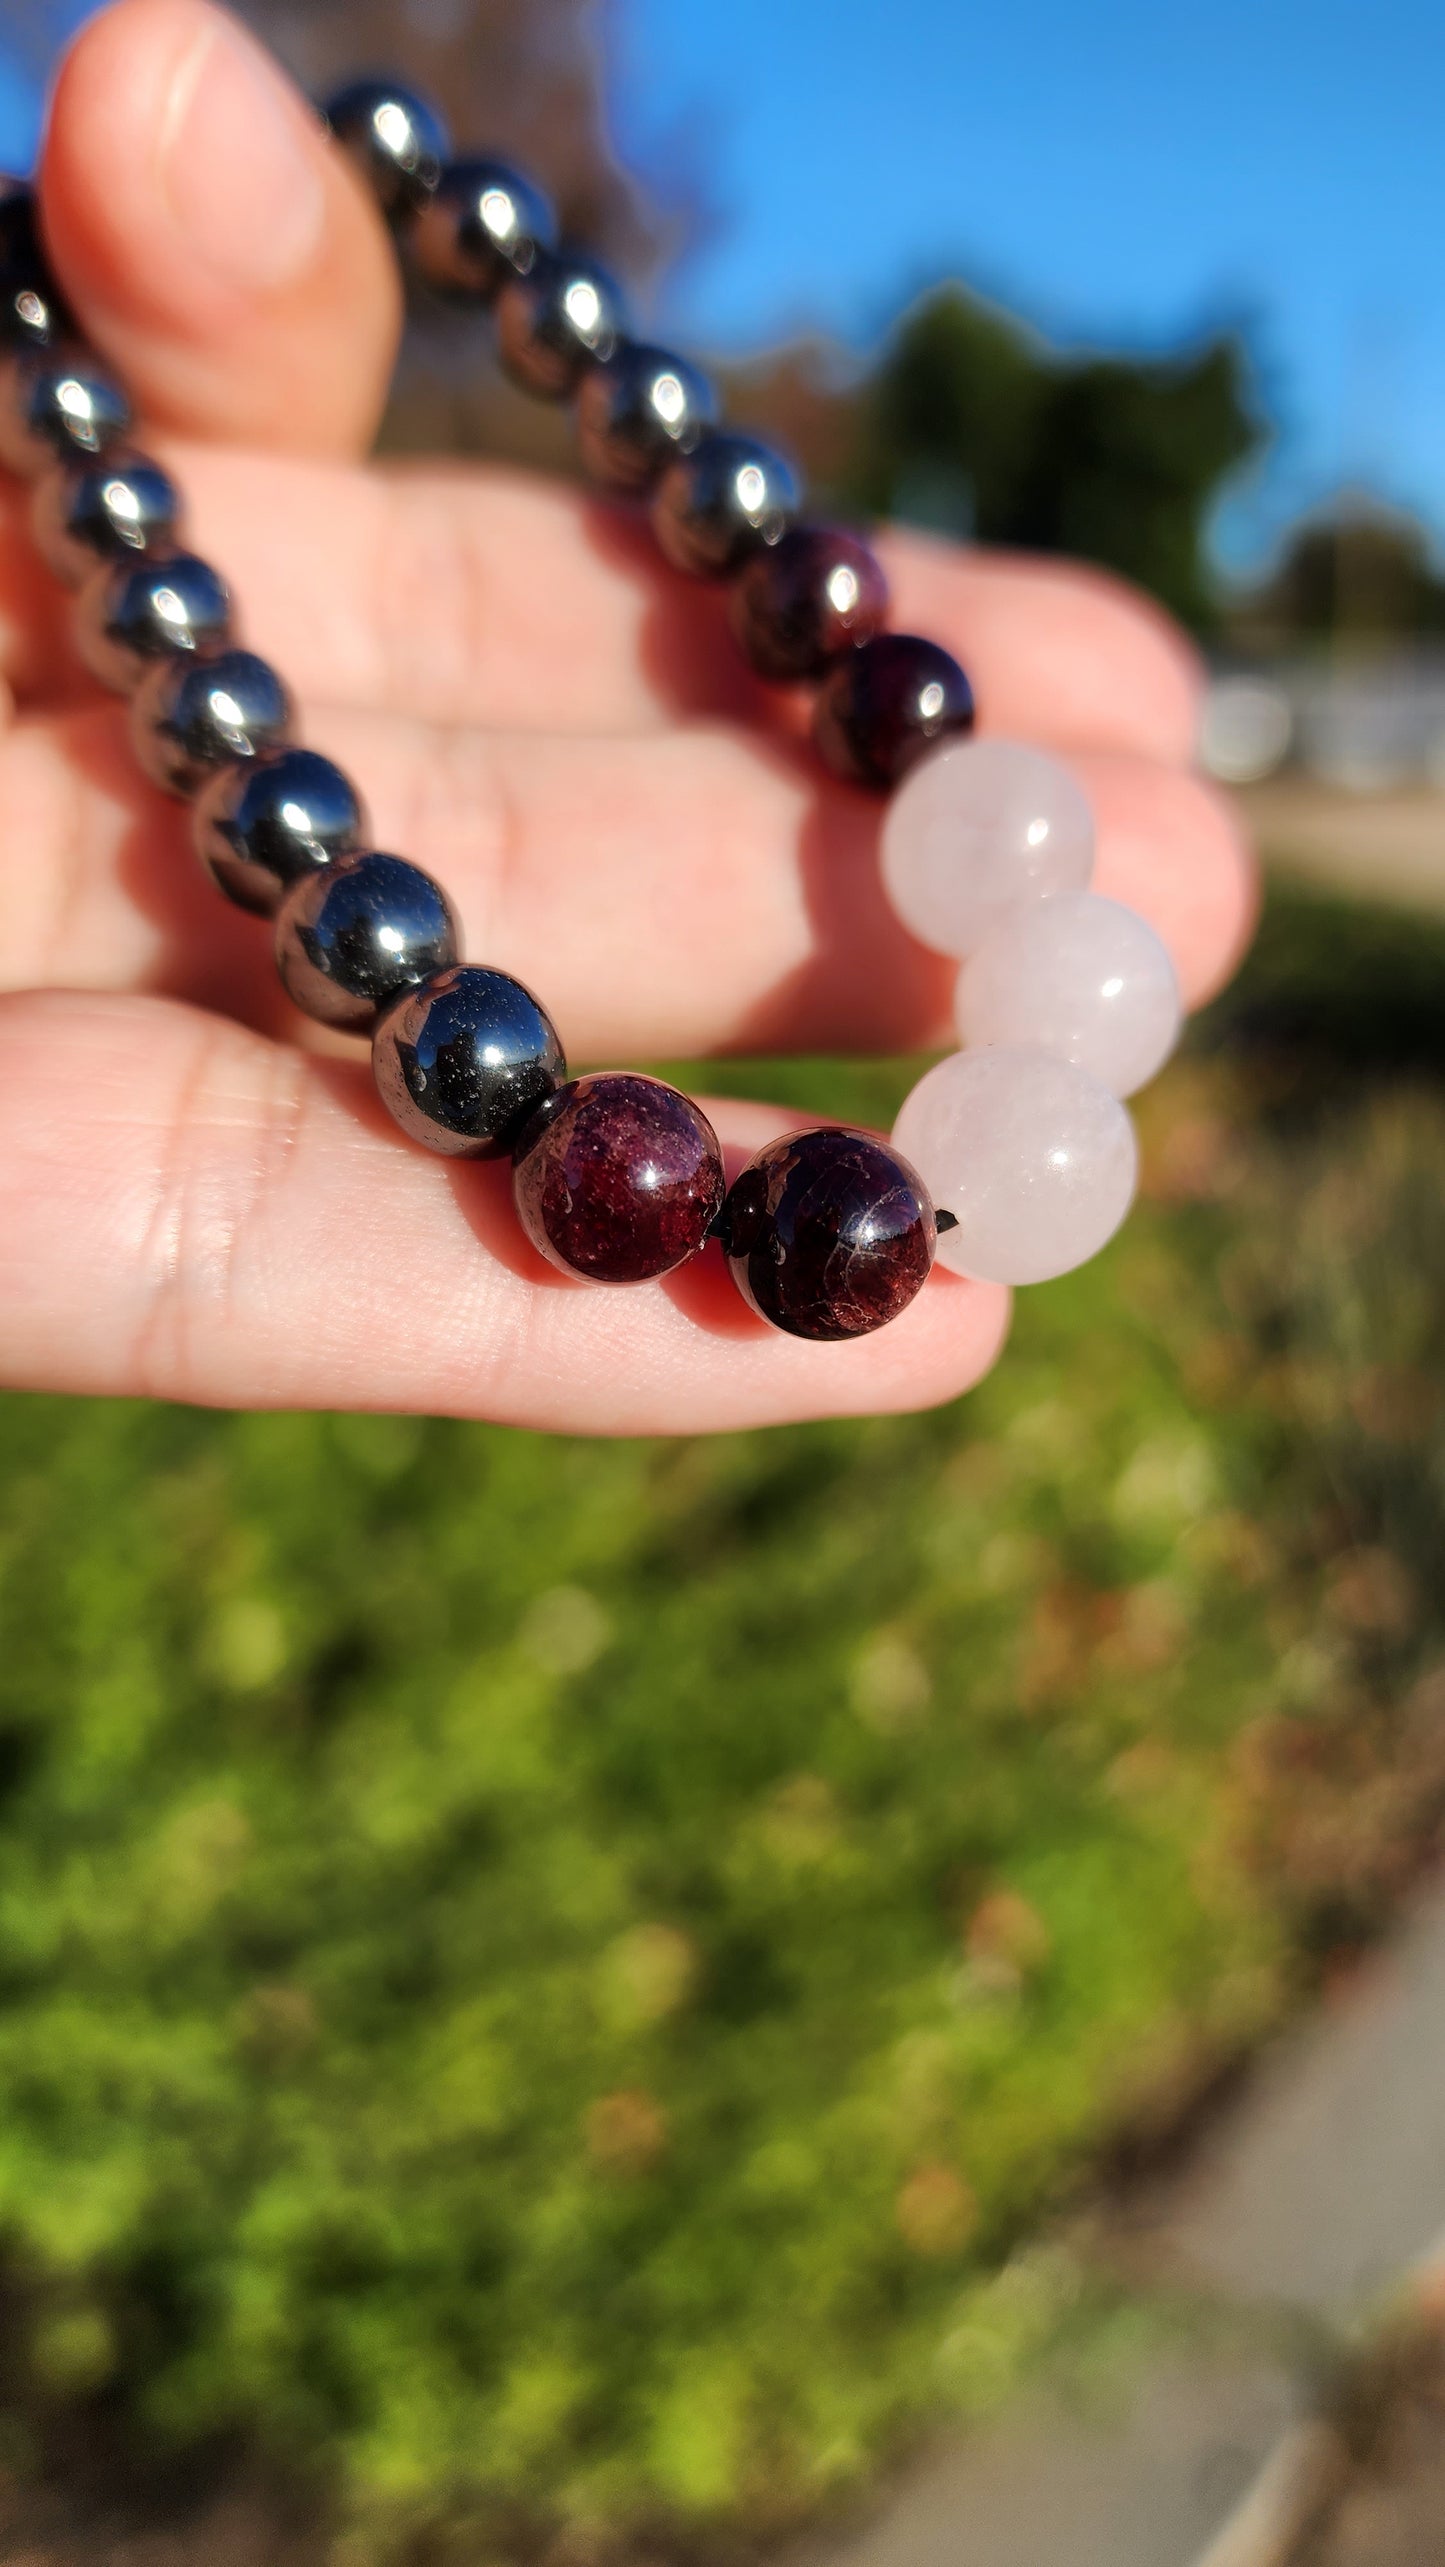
(1036, 1160)
(1076, 975)
(584, 306)
(977, 828)
(752, 489)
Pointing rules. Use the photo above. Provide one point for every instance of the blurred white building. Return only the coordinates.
(1365, 726)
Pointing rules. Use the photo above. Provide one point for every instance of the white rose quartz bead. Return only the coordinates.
(1080, 976)
(976, 828)
(1035, 1159)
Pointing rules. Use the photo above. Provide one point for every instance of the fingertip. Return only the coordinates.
(215, 245)
(1175, 848)
(1058, 648)
(1155, 670)
(959, 1332)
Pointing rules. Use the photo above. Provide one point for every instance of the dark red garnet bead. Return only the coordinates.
(887, 702)
(829, 1234)
(814, 594)
(618, 1177)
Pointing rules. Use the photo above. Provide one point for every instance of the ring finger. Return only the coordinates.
(687, 892)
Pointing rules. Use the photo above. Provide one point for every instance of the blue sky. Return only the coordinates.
(1130, 173)
(1127, 173)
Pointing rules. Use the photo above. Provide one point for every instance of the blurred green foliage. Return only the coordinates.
(544, 1981)
(969, 422)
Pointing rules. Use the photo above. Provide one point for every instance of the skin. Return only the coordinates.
(198, 1199)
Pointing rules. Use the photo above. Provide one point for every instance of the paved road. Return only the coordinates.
(1310, 2203)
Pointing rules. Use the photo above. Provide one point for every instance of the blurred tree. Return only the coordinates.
(971, 424)
(1358, 573)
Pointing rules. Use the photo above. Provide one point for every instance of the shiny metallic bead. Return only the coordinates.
(194, 714)
(118, 509)
(57, 401)
(725, 500)
(556, 322)
(638, 411)
(464, 1060)
(32, 310)
(483, 225)
(397, 140)
(886, 703)
(137, 612)
(261, 824)
(350, 939)
(814, 593)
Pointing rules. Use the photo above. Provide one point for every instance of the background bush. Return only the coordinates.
(544, 1980)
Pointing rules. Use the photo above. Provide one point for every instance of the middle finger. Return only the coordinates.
(463, 593)
(692, 891)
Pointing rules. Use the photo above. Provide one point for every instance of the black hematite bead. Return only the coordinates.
(261, 826)
(350, 939)
(32, 310)
(638, 411)
(887, 702)
(564, 316)
(618, 1178)
(829, 1234)
(57, 401)
(397, 140)
(813, 594)
(194, 714)
(483, 225)
(464, 1060)
(727, 499)
(117, 510)
(135, 613)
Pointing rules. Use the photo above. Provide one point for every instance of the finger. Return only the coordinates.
(691, 892)
(215, 245)
(492, 596)
(196, 1214)
(466, 595)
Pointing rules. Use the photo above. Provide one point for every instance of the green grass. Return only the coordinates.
(546, 1982)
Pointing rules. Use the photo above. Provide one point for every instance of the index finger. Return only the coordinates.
(476, 594)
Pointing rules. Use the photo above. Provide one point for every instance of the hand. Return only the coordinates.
(197, 1202)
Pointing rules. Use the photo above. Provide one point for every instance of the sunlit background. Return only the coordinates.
(1130, 177)
(560, 2003)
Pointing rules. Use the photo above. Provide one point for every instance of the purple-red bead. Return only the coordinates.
(887, 702)
(816, 592)
(829, 1234)
(618, 1177)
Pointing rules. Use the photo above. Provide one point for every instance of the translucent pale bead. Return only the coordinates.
(1080, 976)
(1036, 1159)
(976, 828)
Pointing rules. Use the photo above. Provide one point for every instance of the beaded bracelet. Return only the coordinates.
(1065, 1003)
